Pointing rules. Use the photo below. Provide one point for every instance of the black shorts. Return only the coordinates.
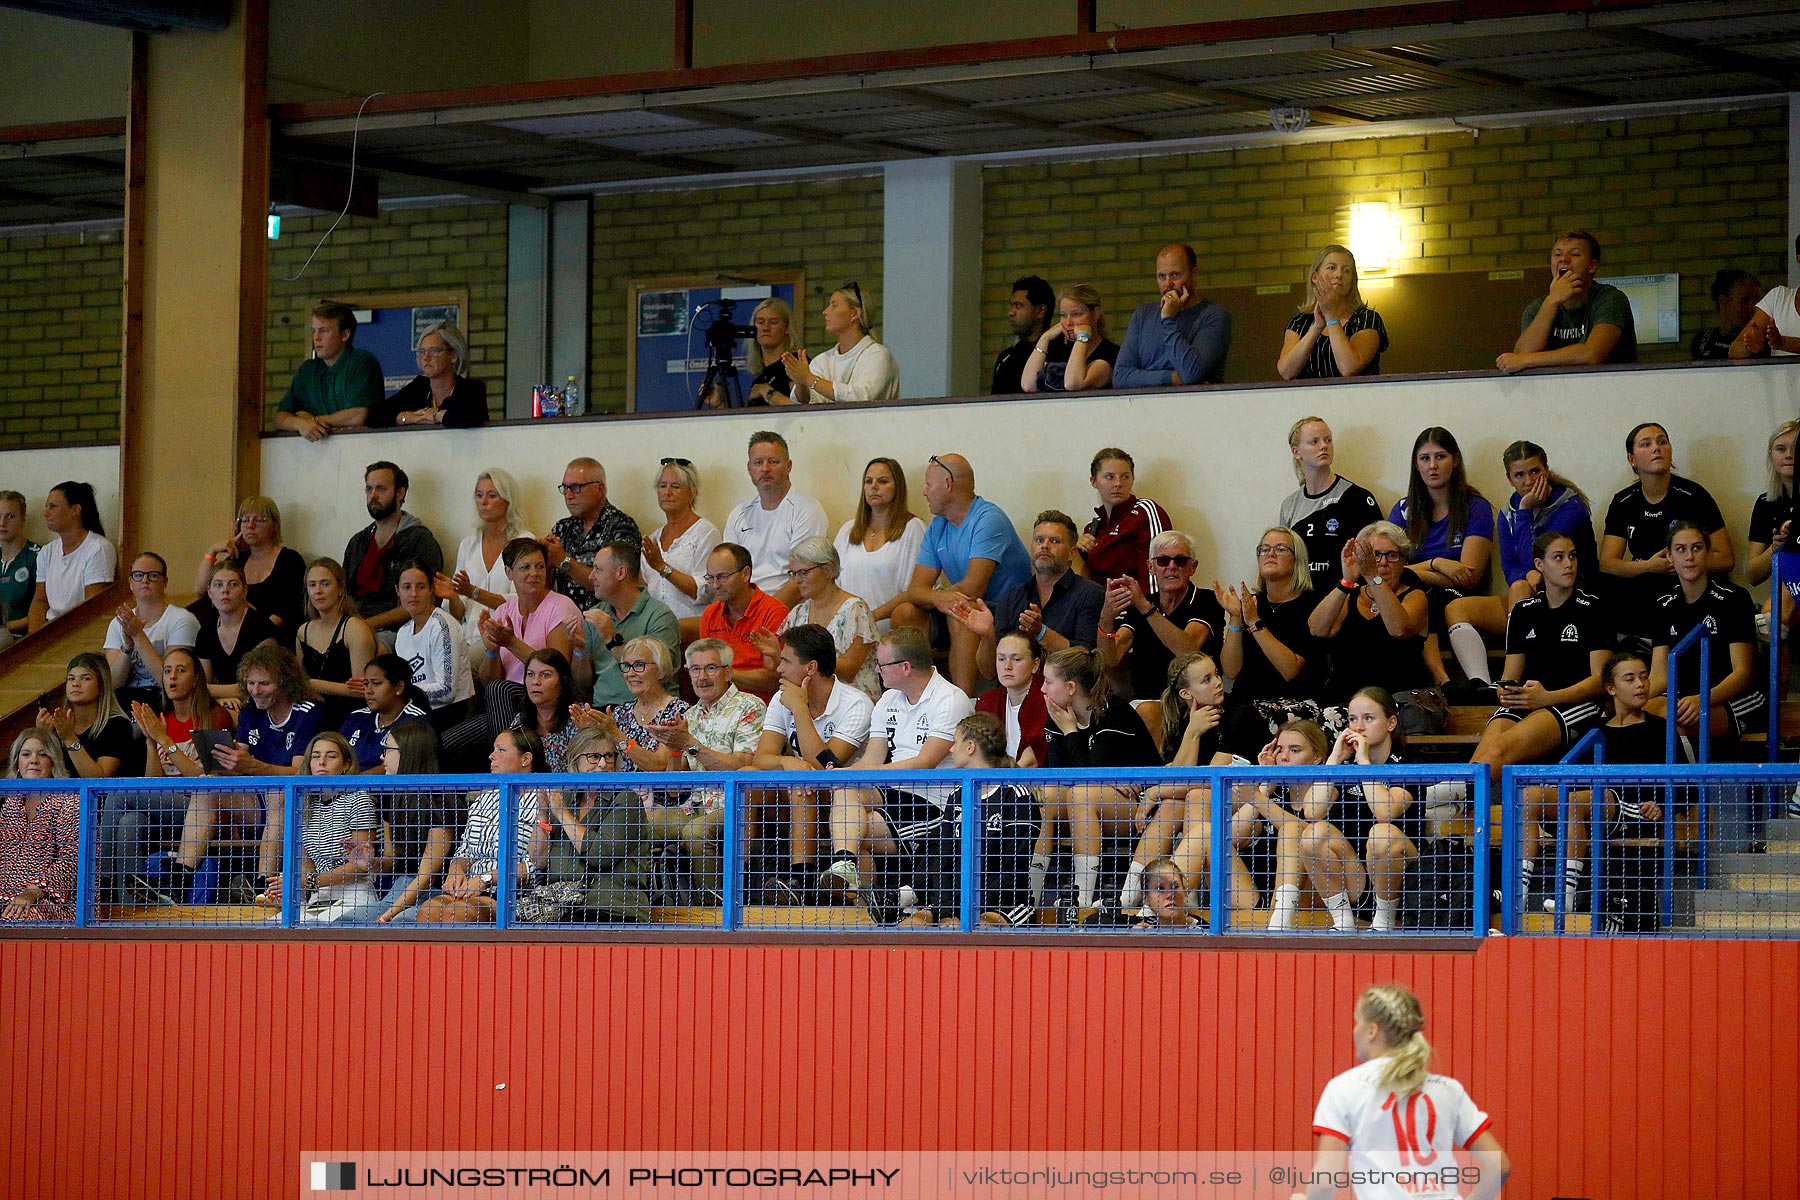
(1572, 720)
(1748, 713)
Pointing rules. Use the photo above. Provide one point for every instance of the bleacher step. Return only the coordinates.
(1760, 872)
(1760, 924)
(1543, 922)
(1734, 900)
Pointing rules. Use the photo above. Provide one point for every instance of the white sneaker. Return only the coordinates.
(909, 900)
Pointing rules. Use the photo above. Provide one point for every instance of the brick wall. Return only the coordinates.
(1686, 193)
(406, 250)
(830, 228)
(62, 296)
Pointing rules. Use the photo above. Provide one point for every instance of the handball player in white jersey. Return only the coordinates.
(1394, 1122)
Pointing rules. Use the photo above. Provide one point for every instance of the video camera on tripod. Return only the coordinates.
(722, 335)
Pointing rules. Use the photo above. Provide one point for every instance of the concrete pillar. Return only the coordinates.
(932, 251)
(198, 184)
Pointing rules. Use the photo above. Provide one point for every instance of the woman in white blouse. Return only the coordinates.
(878, 550)
(480, 584)
(675, 554)
(856, 369)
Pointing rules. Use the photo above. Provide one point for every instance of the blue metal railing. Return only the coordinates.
(1223, 783)
(1775, 630)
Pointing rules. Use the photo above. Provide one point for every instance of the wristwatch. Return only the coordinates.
(618, 639)
(667, 570)
(1253, 627)
(1084, 337)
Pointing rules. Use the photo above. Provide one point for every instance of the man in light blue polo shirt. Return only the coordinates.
(971, 549)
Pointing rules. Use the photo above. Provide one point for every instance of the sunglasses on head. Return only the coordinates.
(677, 462)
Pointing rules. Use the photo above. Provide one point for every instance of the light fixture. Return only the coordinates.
(274, 223)
(1374, 235)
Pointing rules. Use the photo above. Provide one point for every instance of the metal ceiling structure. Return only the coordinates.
(1093, 93)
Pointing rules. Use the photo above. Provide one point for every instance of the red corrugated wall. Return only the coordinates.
(1615, 1069)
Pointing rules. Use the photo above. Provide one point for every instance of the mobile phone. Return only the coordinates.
(1509, 683)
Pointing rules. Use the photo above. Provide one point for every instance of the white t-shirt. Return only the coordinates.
(66, 577)
(906, 727)
(468, 560)
(1778, 302)
(687, 555)
(770, 535)
(880, 576)
(867, 371)
(847, 714)
(1435, 1121)
(440, 665)
(1014, 735)
(176, 627)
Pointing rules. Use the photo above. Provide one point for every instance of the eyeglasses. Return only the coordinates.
(935, 461)
(572, 489)
(705, 668)
(898, 662)
(141, 576)
(254, 519)
(635, 666)
(389, 748)
(1171, 560)
(716, 580)
(1273, 551)
(803, 572)
(677, 462)
(433, 351)
(1387, 556)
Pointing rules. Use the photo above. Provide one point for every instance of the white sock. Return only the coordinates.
(1040, 867)
(1387, 914)
(1339, 908)
(1285, 906)
(1470, 650)
(1087, 878)
(1132, 894)
(1572, 870)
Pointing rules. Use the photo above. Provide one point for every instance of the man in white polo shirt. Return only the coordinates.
(815, 722)
(913, 728)
(775, 518)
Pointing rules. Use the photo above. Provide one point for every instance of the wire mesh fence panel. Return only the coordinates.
(203, 853)
(843, 850)
(1640, 851)
(624, 849)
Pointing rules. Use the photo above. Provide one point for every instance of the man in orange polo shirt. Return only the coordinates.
(738, 608)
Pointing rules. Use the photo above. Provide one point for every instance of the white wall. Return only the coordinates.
(35, 472)
(1216, 459)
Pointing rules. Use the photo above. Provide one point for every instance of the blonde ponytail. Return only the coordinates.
(1397, 1014)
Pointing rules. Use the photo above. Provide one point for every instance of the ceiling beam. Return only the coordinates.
(1007, 115)
(1408, 60)
(579, 147)
(1222, 97)
(89, 207)
(485, 185)
(792, 131)
(1715, 57)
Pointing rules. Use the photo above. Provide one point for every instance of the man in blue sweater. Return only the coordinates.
(1181, 338)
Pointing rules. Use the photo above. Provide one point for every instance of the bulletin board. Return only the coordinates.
(666, 321)
(389, 324)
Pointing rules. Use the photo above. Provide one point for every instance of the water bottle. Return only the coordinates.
(573, 405)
